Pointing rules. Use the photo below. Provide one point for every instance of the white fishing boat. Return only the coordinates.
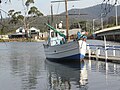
(59, 47)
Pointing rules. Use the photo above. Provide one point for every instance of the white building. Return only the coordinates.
(20, 30)
(34, 30)
(20, 33)
(31, 31)
(44, 35)
(74, 31)
(4, 37)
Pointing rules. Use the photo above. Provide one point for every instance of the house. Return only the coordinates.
(34, 32)
(20, 30)
(73, 33)
(44, 35)
(4, 37)
(20, 33)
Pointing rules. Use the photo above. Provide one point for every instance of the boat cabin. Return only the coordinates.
(55, 38)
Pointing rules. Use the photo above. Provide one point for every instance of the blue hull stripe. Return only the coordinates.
(68, 58)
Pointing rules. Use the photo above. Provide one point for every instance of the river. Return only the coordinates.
(23, 67)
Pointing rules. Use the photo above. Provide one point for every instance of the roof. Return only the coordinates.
(33, 28)
(108, 29)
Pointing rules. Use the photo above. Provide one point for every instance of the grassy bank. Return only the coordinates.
(17, 40)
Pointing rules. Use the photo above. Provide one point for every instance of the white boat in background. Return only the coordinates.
(60, 48)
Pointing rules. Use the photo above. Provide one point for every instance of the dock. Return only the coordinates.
(102, 58)
(98, 52)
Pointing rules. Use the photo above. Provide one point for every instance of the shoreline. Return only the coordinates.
(20, 40)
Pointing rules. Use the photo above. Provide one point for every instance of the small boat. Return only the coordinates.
(60, 48)
(72, 50)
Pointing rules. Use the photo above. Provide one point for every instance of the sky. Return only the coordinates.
(44, 5)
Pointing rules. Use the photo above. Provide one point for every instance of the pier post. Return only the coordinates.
(115, 67)
(89, 53)
(106, 56)
(90, 64)
(97, 52)
(113, 51)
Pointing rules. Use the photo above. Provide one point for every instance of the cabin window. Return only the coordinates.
(56, 34)
(52, 34)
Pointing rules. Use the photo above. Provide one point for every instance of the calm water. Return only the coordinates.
(23, 67)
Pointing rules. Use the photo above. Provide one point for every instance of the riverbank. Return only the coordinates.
(21, 40)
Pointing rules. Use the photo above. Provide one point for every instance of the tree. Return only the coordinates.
(17, 16)
(83, 25)
(28, 2)
(34, 11)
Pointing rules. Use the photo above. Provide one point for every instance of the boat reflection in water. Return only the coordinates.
(83, 74)
(72, 76)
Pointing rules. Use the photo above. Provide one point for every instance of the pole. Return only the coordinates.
(113, 51)
(51, 15)
(67, 26)
(93, 25)
(116, 15)
(106, 56)
(102, 20)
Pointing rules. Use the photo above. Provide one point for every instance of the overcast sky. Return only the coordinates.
(44, 5)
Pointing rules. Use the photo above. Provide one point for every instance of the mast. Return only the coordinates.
(67, 20)
(51, 15)
(67, 24)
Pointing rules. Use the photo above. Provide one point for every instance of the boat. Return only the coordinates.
(60, 48)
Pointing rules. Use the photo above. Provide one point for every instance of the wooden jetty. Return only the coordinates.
(98, 53)
(102, 58)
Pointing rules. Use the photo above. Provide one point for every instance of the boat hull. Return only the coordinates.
(65, 52)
